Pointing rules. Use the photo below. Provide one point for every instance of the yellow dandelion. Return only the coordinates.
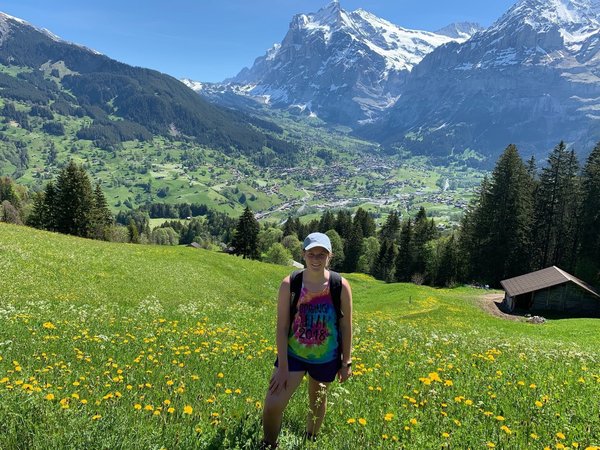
(413, 421)
(49, 397)
(351, 420)
(506, 429)
(148, 408)
(445, 435)
(170, 383)
(171, 410)
(96, 417)
(220, 375)
(500, 418)
(560, 446)
(434, 376)
(491, 445)
(187, 409)
(388, 417)
(539, 404)
(534, 436)
(362, 421)
(560, 435)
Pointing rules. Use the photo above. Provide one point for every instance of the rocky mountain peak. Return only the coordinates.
(574, 19)
(460, 30)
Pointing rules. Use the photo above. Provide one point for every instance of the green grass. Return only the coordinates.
(91, 329)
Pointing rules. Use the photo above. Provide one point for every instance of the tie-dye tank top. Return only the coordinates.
(313, 335)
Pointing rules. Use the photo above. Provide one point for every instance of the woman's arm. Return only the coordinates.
(346, 331)
(279, 380)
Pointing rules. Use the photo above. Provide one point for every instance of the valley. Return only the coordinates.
(334, 170)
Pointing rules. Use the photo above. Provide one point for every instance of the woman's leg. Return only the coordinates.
(317, 398)
(275, 405)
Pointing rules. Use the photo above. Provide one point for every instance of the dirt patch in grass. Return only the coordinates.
(492, 304)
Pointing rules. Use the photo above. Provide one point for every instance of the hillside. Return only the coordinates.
(114, 345)
(120, 102)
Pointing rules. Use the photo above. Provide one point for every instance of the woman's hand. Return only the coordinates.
(344, 373)
(279, 380)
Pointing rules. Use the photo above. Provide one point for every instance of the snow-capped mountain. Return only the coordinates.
(460, 30)
(532, 78)
(345, 67)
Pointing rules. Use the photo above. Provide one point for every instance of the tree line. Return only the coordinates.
(522, 219)
(71, 205)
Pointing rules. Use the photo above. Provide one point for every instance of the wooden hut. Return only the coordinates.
(551, 289)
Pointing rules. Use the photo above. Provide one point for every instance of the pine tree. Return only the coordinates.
(448, 268)
(390, 230)
(365, 221)
(473, 237)
(588, 266)
(353, 248)
(101, 217)
(343, 223)
(556, 210)
(424, 231)
(245, 238)
(384, 267)
(74, 201)
(496, 234)
(337, 248)
(327, 222)
(289, 228)
(404, 260)
(134, 234)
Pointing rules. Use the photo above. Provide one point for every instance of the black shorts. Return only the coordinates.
(325, 372)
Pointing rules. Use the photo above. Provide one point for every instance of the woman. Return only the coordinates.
(314, 336)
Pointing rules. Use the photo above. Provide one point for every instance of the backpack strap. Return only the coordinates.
(335, 288)
(295, 290)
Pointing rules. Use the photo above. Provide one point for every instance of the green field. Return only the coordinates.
(111, 346)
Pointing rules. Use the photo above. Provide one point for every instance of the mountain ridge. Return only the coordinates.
(529, 79)
(344, 67)
(102, 88)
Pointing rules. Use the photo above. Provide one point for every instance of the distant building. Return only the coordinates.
(551, 289)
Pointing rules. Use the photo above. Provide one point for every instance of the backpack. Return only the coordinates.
(335, 289)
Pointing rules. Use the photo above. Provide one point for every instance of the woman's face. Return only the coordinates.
(317, 258)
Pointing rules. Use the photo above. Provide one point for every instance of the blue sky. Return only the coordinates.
(208, 40)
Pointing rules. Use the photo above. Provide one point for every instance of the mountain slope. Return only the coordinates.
(531, 79)
(345, 67)
(80, 81)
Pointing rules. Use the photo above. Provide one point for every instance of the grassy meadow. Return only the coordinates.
(114, 346)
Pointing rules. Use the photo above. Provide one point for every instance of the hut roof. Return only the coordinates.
(541, 279)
